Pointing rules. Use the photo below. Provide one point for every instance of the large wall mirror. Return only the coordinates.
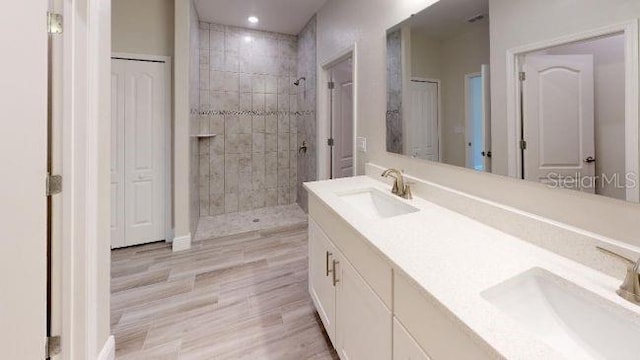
(470, 85)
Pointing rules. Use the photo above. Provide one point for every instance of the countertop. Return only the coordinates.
(455, 258)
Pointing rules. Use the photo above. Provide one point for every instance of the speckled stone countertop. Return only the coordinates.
(454, 259)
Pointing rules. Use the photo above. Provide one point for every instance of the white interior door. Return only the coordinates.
(343, 120)
(423, 139)
(558, 122)
(23, 207)
(118, 71)
(486, 116)
(137, 177)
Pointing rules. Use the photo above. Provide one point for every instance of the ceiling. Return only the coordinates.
(283, 16)
(447, 18)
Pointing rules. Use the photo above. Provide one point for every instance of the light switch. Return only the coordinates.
(361, 143)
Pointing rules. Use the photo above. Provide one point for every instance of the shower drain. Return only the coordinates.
(256, 220)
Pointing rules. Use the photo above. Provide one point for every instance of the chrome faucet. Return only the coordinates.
(399, 187)
(630, 288)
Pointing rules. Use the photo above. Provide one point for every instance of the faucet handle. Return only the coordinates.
(630, 288)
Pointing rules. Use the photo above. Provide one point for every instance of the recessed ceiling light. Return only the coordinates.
(253, 19)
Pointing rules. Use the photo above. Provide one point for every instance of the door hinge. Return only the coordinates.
(522, 76)
(54, 184)
(523, 144)
(53, 346)
(331, 85)
(330, 141)
(54, 23)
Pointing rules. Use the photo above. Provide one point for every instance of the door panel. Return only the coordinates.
(144, 149)
(321, 255)
(559, 118)
(117, 152)
(423, 120)
(486, 116)
(363, 322)
(23, 205)
(342, 120)
(137, 143)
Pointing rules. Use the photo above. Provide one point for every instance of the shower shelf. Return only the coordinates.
(204, 136)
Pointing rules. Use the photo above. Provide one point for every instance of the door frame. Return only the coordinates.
(167, 145)
(324, 110)
(629, 30)
(440, 110)
(468, 77)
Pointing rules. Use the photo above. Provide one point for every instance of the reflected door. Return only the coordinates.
(342, 119)
(423, 138)
(558, 122)
(137, 169)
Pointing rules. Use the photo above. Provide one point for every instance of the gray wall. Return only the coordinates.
(307, 124)
(248, 99)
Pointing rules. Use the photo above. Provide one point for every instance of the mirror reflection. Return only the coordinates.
(565, 121)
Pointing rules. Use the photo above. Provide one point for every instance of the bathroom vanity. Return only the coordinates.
(409, 279)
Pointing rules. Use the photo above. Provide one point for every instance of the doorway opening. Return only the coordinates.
(140, 128)
(573, 112)
(341, 111)
(478, 120)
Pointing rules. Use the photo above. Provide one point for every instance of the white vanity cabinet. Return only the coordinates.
(363, 322)
(405, 346)
(366, 313)
(357, 321)
(323, 292)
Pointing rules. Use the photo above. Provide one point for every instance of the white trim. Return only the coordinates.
(168, 136)
(440, 110)
(323, 118)
(632, 92)
(108, 351)
(142, 57)
(467, 78)
(181, 243)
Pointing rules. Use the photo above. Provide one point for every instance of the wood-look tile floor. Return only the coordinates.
(238, 297)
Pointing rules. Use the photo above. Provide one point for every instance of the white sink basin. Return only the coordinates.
(572, 320)
(376, 204)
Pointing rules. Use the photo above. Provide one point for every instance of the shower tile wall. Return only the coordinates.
(307, 163)
(194, 121)
(394, 92)
(248, 99)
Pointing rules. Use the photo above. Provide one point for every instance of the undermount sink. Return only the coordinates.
(570, 319)
(376, 204)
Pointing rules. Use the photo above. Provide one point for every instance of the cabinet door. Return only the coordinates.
(321, 287)
(363, 322)
(404, 346)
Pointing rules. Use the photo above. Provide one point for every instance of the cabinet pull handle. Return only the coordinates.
(335, 277)
(327, 263)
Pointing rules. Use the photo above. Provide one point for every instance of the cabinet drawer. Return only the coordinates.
(369, 264)
(432, 329)
(405, 346)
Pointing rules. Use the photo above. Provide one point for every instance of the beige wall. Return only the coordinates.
(181, 125)
(142, 26)
(425, 56)
(341, 24)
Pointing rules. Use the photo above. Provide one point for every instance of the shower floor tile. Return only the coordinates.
(211, 227)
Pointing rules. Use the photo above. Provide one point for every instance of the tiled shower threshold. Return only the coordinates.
(211, 227)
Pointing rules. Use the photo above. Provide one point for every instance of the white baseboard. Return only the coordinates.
(109, 350)
(181, 243)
